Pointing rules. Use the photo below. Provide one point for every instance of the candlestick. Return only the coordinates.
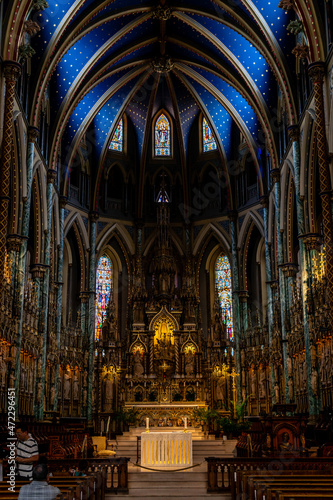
(147, 424)
(185, 424)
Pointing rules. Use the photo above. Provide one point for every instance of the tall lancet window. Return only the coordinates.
(104, 281)
(224, 290)
(118, 137)
(208, 139)
(162, 136)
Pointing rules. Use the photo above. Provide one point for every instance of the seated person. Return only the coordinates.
(285, 445)
(39, 487)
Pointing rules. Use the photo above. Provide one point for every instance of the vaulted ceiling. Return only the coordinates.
(96, 60)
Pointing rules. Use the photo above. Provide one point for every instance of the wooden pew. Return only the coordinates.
(244, 485)
(309, 495)
(265, 488)
(320, 488)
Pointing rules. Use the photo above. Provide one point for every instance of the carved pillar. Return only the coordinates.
(51, 176)
(62, 202)
(264, 203)
(316, 72)
(233, 229)
(294, 135)
(91, 312)
(276, 179)
(177, 360)
(22, 254)
(13, 247)
(12, 71)
(151, 354)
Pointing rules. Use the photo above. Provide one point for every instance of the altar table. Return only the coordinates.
(166, 449)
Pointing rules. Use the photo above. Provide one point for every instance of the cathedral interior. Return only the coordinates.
(166, 237)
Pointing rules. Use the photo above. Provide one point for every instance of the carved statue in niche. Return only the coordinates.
(189, 364)
(11, 383)
(39, 391)
(67, 385)
(285, 445)
(314, 381)
(277, 392)
(138, 365)
(220, 390)
(289, 367)
(253, 383)
(52, 395)
(291, 389)
(262, 383)
(108, 392)
(3, 370)
(84, 396)
(75, 387)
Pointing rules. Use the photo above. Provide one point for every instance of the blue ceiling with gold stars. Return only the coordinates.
(98, 60)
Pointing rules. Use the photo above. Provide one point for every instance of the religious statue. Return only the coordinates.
(75, 388)
(189, 364)
(291, 388)
(289, 366)
(84, 397)
(277, 392)
(108, 392)
(52, 396)
(285, 445)
(67, 385)
(39, 392)
(220, 390)
(11, 383)
(138, 366)
(314, 381)
(39, 367)
(262, 383)
(3, 370)
(253, 383)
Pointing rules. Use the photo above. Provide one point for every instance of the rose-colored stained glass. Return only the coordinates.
(224, 290)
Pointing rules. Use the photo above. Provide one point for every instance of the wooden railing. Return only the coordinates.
(221, 471)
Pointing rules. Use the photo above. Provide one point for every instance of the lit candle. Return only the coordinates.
(147, 424)
(185, 422)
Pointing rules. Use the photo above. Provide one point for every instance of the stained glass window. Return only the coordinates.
(224, 290)
(208, 140)
(104, 278)
(162, 136)
(117, 140)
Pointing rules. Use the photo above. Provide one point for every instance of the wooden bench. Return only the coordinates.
(266, 489)
(319, 488)
(310, 495)
(244, 479)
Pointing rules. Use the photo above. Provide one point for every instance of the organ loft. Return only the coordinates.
(166, 233)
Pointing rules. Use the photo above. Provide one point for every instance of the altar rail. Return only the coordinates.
(166, 449)
(222, 477)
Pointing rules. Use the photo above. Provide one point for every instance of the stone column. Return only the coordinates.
(276, 179)
(22, 254)
(316, 72)
(13, 247)
(62, 202)
(51, 176)
(177, 360)
(91, 312)
(151, 354)
(264, 203)
(294, 135)
(235, 287)
(12, 71)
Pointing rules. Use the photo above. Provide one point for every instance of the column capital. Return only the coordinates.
(264, 200)
(14, 242)
(38, 270)
(32, 133)
(312, 241)
(51, 176)
(62, 201)
(316, 71)
(293, 132)
(289, 269)
(232, 215)
(11, 70)
(243, 295)
(93, 216)
(84, 296)
(275, 174)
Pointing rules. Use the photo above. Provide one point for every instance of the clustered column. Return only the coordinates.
(12, 71)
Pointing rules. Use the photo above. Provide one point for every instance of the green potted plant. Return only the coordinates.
(126, 417)
(207, 416)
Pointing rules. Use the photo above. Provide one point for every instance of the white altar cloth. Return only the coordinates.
(166, 449)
